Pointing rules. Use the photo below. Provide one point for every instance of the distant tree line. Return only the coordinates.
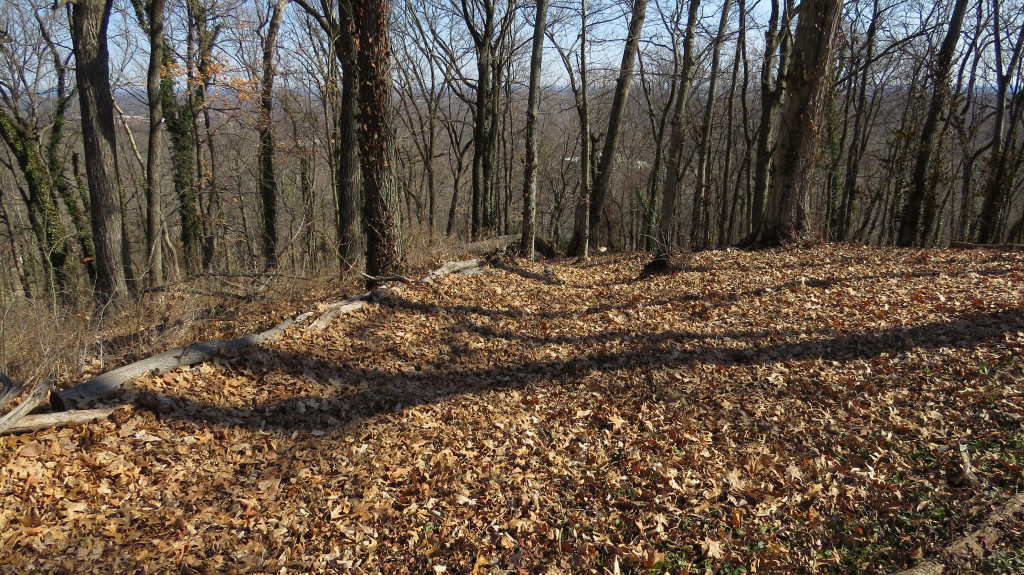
(149, 141)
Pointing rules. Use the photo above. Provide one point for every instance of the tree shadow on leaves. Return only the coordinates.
(354, 394)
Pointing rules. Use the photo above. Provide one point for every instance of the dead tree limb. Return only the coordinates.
(38, 396)
(333, 312)
(59, 419)
(450, 268)
(106, 384)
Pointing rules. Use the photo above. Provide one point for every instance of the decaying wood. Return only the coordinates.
(391, 278)
(8, 390)
(59, 419)
(450, 268)
(970, 246)
(974, 543)
(38, 396)
(106, 384)
(333, 312)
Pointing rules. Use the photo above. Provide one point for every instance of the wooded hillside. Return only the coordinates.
(828, 410)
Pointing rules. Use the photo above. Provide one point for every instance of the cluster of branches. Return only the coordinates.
(150, 140)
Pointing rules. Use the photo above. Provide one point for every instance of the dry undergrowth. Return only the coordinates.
(765, 412)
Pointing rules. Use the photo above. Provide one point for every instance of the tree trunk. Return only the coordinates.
(529, 231)
(619, 101)
(699, 225)
(267, 175)
(777, 44)
(377, 137)
(670, 193)
(89, 34)
(999, 181)
(154, 208)
(910, 223)
(802, 118)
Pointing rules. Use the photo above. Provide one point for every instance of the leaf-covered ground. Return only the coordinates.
(775, 412)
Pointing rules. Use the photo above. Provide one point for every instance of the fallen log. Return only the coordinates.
(58, 419)
(106, 384)
(346, 306)
(38, 396)
(450, 268)
(334, 311)
(974, 543)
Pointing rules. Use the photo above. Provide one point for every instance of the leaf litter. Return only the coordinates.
(776, 412)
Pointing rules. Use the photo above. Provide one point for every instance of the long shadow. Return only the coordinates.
(360, 393)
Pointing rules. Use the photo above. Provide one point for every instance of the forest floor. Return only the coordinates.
(798, 411)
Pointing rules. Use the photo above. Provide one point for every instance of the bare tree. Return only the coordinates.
(786, 217)
(670, 192)
(592, 219)
(265, 125)
(910, 223)
(529, 231)
(89, 21)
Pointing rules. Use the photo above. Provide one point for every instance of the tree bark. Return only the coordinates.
(154, 207)
(377, 137)
(700, 221)
(999, 180)
(670, 192)
(802, 119)
(89, 35)
(777, 44)
(267, 175)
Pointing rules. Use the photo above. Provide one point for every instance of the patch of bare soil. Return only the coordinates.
(776, 412)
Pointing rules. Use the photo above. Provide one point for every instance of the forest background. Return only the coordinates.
(234, 130)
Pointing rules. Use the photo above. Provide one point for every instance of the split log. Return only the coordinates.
(59, 419)
(974, 543)
(970, 246)
(38, 396)
(106, 384)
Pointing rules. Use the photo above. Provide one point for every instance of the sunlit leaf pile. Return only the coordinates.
(776, 412)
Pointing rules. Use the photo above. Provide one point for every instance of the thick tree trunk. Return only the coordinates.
(777, 45)
(786, 218)
(89, 34)
(699, 232)
(670, 192)
(154, 207)
(999, 181)
(377, 137)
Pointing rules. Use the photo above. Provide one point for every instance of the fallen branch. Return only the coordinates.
(106, 384)
(334, 311)
(450, 268)
(38, 396)
(58, 419)
(974, 543)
